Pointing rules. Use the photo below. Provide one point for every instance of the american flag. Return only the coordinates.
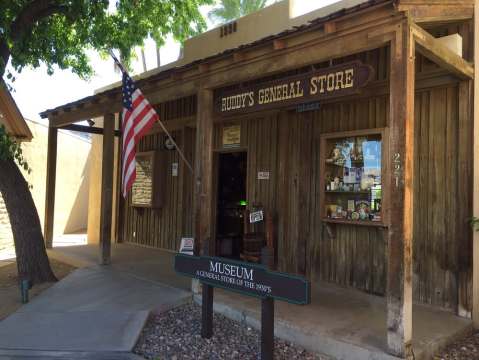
(138, 117)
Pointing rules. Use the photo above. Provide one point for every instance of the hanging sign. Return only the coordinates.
(256, 216)
(232, 136)
(244, 277)
(341, 80)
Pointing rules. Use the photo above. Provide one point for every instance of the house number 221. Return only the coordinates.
(397, 167)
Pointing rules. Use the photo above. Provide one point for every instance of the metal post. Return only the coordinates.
(267, 314)
(207, 312)
(206, 305)
(24, 287)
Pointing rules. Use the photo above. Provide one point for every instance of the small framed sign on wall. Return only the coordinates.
(232, 136)
(148, 188)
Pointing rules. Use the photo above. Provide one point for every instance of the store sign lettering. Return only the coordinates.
(341, 80)
(246, 278)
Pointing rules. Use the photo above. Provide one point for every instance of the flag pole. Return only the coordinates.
(183, 157)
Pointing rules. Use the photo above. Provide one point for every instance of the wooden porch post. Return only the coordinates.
(203, 198)
(107, 188)
(400, 186)
(475, 252)
(204, 172)
(50, 187)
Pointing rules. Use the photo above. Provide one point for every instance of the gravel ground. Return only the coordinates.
(175, 334)
(463, 349)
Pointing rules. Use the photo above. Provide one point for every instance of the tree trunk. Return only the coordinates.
(32, 259)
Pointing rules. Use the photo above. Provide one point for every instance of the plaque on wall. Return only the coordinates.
(147, 190)
(232, 136)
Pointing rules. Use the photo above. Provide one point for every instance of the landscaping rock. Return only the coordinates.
(463, 349)
(176, 334)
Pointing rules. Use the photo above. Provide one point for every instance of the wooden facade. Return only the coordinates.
(287, 144)
(420, 99)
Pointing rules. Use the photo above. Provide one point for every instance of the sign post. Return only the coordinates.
(207, 311)
(207, 294)
(267, 313)
(248, 279)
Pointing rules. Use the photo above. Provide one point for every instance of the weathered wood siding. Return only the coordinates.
(287, 144)
(441, 220)
(164, 227)
(347, 255)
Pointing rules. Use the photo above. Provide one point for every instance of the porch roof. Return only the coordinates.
(113, 92)
(11, 117)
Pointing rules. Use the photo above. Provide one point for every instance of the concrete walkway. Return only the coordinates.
(340, 322)
(146, 263)
(94, 313)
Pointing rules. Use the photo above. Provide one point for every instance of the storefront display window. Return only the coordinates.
(352, 178)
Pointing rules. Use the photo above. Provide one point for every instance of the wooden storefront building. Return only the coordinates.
(354, 133)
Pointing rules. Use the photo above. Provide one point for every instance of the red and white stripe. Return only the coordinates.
(135, 124)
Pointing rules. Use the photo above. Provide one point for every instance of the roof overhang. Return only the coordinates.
(207, 71)
(110, 99)
(11, 117)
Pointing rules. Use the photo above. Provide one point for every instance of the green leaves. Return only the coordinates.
(59, 32)
(10, 149)
(474, 223)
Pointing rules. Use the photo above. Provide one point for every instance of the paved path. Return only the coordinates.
(94, 313)
(146, 263)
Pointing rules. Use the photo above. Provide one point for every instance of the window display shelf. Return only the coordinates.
(366, 192)
(354, 222)
(352, 173)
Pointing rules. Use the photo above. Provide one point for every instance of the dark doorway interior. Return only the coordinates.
(231, 203)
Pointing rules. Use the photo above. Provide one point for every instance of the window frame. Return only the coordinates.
(324, 138)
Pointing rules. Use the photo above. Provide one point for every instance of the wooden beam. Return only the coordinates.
(177, 76)
(400, 193)
(431, 48)
(465, 155)
(238, 56)
(204, 173)
(50, 186)
(263, 61)
(107, 188)
(421, 13)
(87, 129)
(279, 44)
(475, 250)
(330, 27)
(203, 67)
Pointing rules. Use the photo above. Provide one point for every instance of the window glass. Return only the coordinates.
(353, 189)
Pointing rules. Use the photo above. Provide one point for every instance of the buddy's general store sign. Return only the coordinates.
(335, 81)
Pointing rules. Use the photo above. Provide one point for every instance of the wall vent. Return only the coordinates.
(228, 29)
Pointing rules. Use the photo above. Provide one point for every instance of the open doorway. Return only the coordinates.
(231, 203)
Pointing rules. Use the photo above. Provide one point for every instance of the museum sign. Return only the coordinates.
(341, 80)
(246, 278)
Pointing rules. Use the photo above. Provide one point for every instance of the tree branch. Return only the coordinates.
(4, 56)
(23, 24)
(31, 14)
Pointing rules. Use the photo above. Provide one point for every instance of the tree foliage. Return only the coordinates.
(11, 150)
(59, 32)
(233, 9)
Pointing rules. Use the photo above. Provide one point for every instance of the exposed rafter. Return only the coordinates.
(437, 52)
